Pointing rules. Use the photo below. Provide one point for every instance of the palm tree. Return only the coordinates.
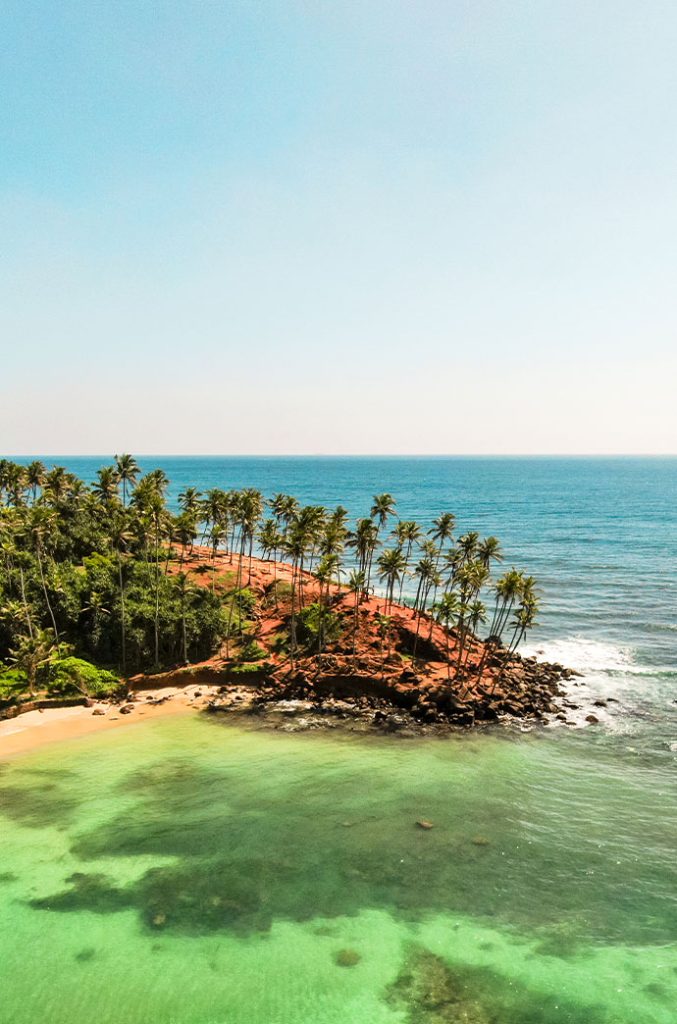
(41, 524)
(35, 476)
(446, 610)
(333, 539)
(250, 512)
(391, 566)
(154, 516)
(428, 577)
(467, 546)
(407, 531)
(323, 575)
(187, 590)
(185, 532)
(382, 507)
(508, 588)
(56, 484)
(215, 537)
(32, 653)
(121, 536)
(526, 611)
(489, 550)
(106, 486)
(356, 582)
(295, 546)
(127, 471)
(364, 539)
(477, 613)
(189, 501)
(270, 540)
(16, 484)
(442, 529)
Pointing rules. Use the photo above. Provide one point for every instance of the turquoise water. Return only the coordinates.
(185, 870)
(192, 872)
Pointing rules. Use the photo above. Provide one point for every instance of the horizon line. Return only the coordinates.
(347, 455)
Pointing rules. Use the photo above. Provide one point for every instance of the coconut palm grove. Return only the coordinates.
(104, 584)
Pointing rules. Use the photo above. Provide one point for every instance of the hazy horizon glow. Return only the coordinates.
(288, 228)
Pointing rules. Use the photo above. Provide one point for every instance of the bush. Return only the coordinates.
(256, 668)
(313, 620)
(252, 651)
(12, 682)
(245, 601)
(74, 675)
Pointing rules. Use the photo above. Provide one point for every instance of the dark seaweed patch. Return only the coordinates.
(93, 892)
(431, 991)
(248, 853)
(37, 806)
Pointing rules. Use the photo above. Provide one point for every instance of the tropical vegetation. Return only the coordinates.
(98, 581)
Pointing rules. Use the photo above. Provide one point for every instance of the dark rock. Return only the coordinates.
(593, 719)
(347, 958)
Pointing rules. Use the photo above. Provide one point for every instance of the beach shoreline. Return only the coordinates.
(32, 730)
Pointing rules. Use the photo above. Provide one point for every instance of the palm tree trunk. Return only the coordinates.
(157, 599)
(123, 636)
(27, 610)
(44, 590)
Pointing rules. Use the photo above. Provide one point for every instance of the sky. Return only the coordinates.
(331, 227)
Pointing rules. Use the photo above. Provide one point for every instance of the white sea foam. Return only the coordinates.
(585, 655)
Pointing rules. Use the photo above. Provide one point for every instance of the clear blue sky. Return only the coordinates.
(338, 227)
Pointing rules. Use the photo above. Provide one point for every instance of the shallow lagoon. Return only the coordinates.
(191, 871)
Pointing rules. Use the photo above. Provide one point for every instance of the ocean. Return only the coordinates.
(191, 872)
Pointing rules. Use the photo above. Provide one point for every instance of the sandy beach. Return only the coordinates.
(51, 725)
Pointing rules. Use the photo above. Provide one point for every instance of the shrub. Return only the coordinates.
(316, 619)
(12, 682)
(245, 600)
(74, 675)
(256, 668)
(252, 651)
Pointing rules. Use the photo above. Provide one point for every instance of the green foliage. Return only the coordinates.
(313, 619)
(91, 570)
(256, 668)
(74, 675)
(13, 682)
(245, 601)
(251, 651)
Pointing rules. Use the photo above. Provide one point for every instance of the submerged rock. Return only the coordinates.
(347, 958)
